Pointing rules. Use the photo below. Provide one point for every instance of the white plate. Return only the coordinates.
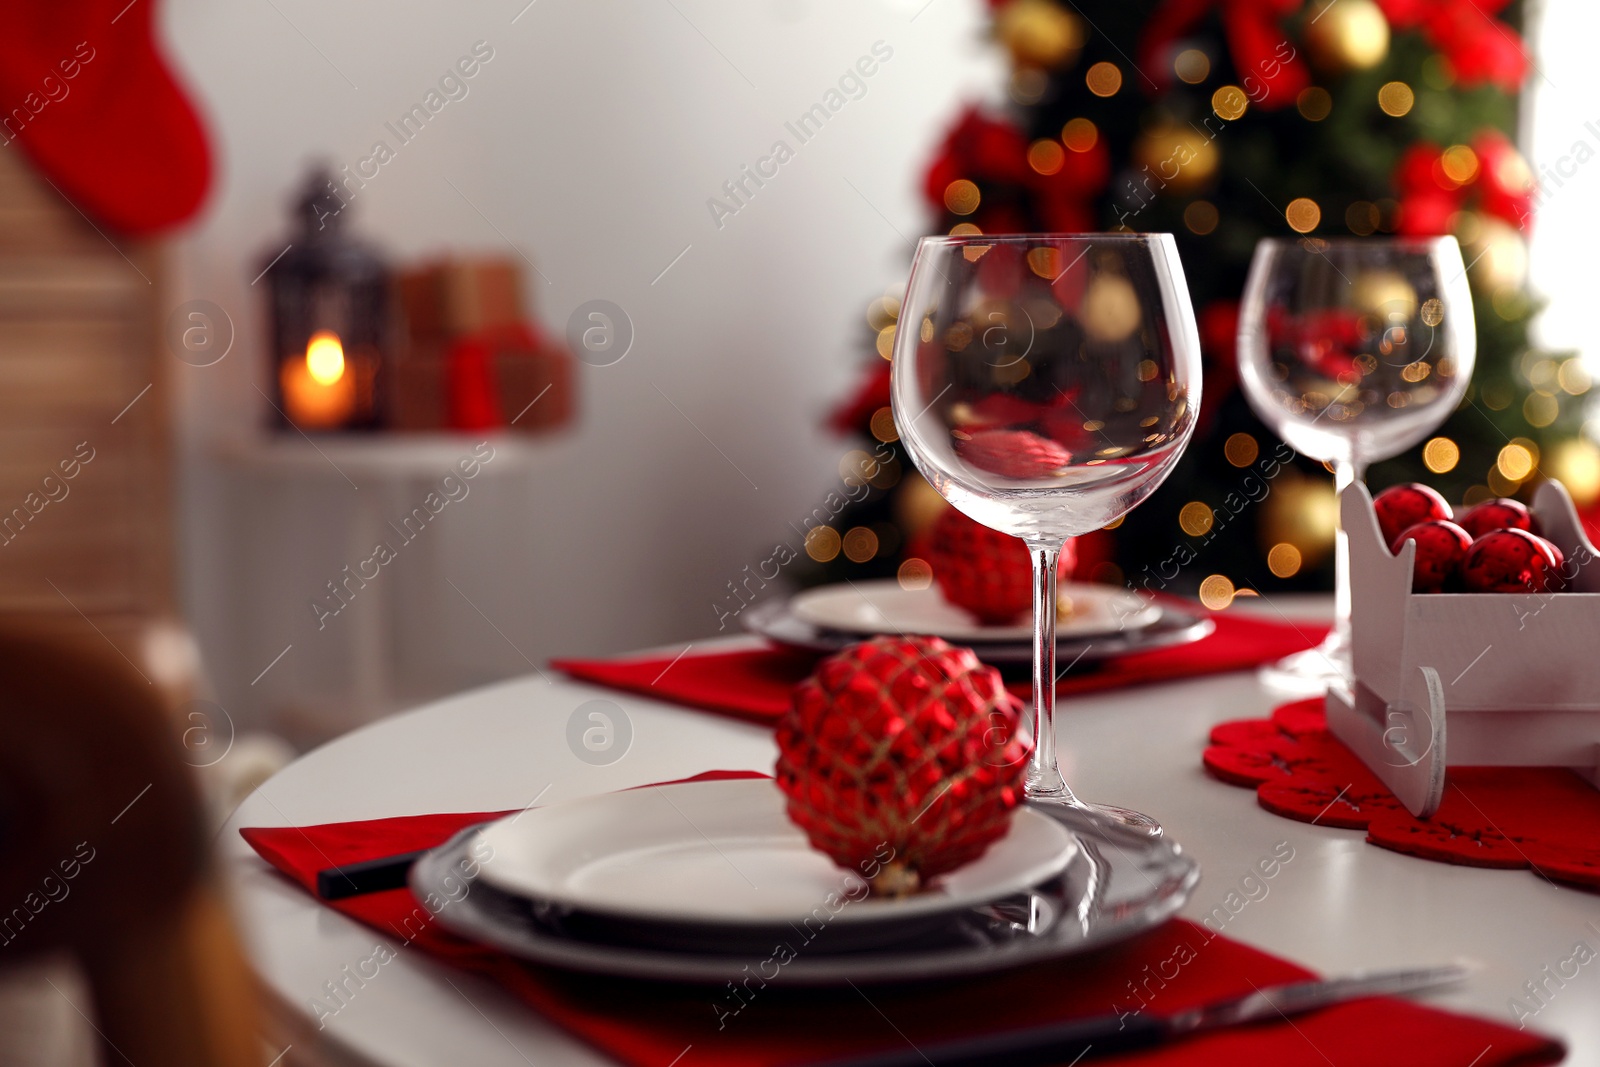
(1107, 894)
(726, 853)
(883, 606)
(774, 621)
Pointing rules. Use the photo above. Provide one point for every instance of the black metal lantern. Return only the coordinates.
(330, 311)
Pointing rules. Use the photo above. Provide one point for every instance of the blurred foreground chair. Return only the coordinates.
(104, 855)
(96, 869)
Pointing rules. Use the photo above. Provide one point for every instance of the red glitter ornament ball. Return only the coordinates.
(1441, 546)
(985, 572)
(1511, 561)
(1401, 507)
(1019, 454)
(1497, 515)
(902, 758)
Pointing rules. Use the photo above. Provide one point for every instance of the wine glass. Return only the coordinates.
(1045, 384)
(1352, 350)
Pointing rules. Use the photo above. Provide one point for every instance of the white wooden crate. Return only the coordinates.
(1468, 679)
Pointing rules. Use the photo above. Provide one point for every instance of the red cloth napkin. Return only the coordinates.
(652, 1024)
(755, 683)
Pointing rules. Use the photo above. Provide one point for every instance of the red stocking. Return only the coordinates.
(85, 93)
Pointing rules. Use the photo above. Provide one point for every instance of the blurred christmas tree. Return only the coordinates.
(1225, 121)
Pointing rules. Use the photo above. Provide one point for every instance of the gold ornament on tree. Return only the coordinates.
(1180, 159)
(1346, 35)
(1110, 309)
(1038, 33)
(1575, 462)
(1496, 251)
(915, 505)
(1301, 512)
(1383, 295)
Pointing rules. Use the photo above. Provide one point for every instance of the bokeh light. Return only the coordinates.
(1303, 214)
(860, 544)
(1540, 410)
(1080, 134)
(1196, 518)
(1103, 79)
(1283, 560)
(1314, 104)
(1201, 217)
(915, 574)
(1230, 103)
(1574, 377)
(1459, 163)
(1241, 449)
(1396, 99)
(1216, 592)
(1440, 455)
(1516, 461)
(1046, 156)
(822, 543)
(1362, 218)
(1192, 66)
(962, 197)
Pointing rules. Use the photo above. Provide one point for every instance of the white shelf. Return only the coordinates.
(397, 456)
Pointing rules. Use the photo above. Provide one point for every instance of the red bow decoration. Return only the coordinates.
(1017, 198)
(1481, 50)
(1501, 186)
(1264, 59)
(1218, 323)
(855, 414)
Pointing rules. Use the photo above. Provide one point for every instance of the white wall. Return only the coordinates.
(591, 141)
(1562, 142)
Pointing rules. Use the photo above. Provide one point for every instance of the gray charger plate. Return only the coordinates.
(1112, 892)
(774, 621)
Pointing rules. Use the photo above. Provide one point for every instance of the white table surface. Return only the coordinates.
(1339, 904)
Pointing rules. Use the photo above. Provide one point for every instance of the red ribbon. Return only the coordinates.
(1265, 61)
(473, 399)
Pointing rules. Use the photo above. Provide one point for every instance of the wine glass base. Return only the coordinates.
(1135, 822)
(1311, 673)
(1099, 818)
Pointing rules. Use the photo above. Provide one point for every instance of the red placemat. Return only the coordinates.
(755, 683)
(1544, 818)
(653, 1024)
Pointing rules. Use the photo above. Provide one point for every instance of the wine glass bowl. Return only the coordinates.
(1055, 380)
(1353, 350)
(1045, 385)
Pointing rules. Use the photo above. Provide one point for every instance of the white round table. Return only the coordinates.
(1338, 905)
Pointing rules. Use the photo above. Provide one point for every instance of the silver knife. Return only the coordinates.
(1100, 1035)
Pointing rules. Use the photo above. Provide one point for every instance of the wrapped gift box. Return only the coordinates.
(474, 360)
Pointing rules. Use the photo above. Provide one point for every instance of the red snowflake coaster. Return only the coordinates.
(902, 754)
(1543, 818)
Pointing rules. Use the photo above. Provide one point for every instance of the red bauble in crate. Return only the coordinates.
(902, 759)
(1498, 514)
(1441, 547)
(1401, 507)
(985, 572)
(1511, 561)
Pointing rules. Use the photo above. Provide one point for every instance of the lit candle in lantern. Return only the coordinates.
(319, 391)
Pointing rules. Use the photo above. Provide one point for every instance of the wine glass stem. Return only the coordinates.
(1044, 777)
(1345, 474)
